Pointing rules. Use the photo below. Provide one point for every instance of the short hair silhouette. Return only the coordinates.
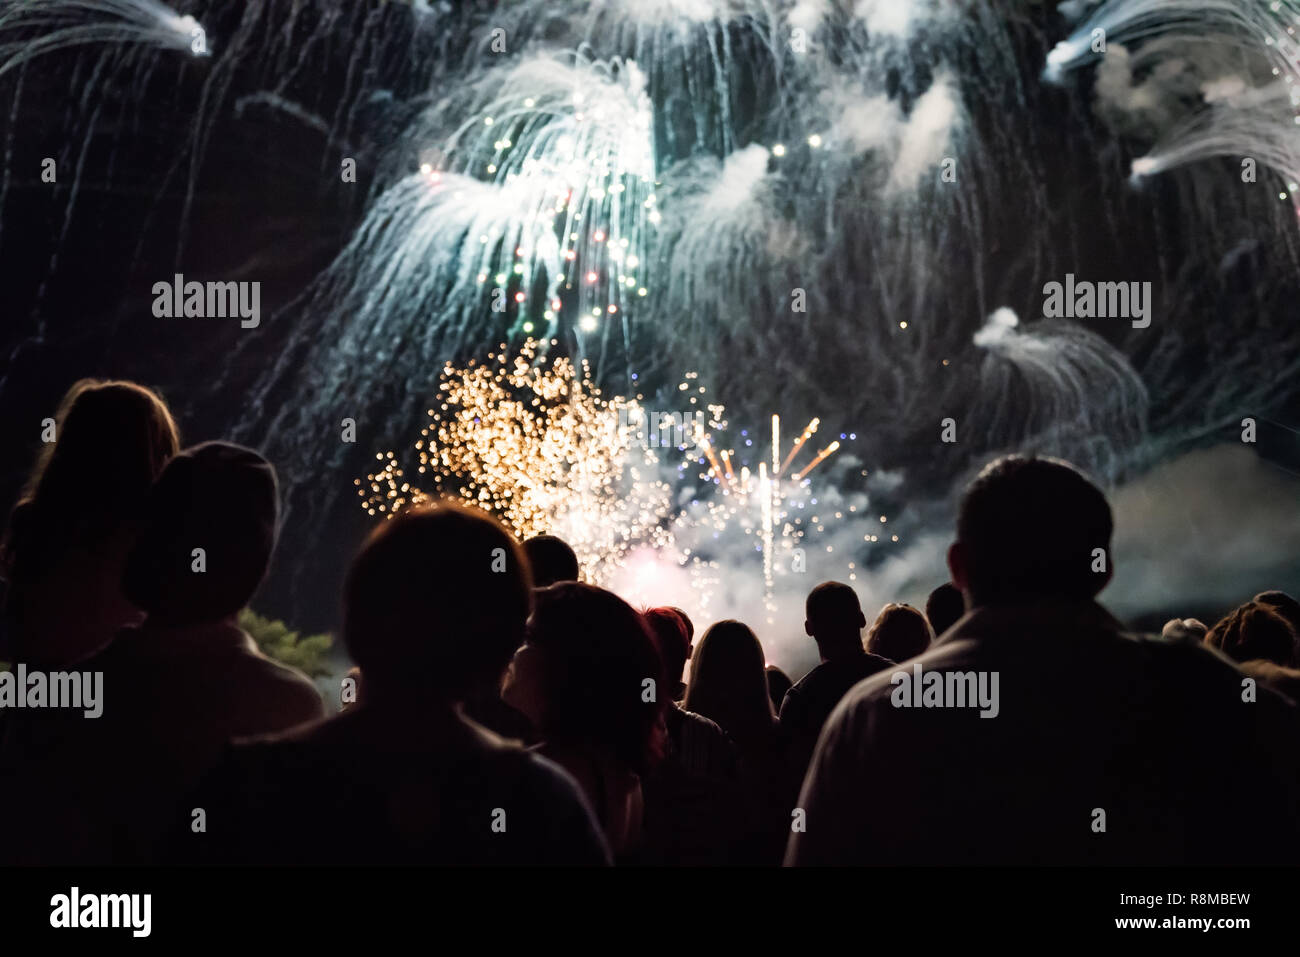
(672, 640)
(218, 497)
(1254, 630)
(112, 439)
(832, 610)
(686, 619)
(1028, 528)
(944, 608)
(551, 559)
(833, 619)
(596, 654)
(436, 599)
(899, 632)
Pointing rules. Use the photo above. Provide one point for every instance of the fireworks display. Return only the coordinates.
(847, 212)
(532, 440)
(1247, 64)
(535, 443)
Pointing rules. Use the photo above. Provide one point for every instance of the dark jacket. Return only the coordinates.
(372, 787)
(813, 697)
(103, 790)
(1106, 748)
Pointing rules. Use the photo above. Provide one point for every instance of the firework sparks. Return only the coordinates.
(533, 441)
(536, 444)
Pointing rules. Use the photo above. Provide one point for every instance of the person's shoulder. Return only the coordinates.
(869, 692)
(574, 835)
(699, 732)
(874, 663)
(538, 773)
(503, 760)
(861, 668)
(293, 751)
(874, 691)
(1200, 664)
(285, 690)
(1187, 662)
(128, 658)
(699, 724)
(1195, 656)
(794, 703)
(800, 689)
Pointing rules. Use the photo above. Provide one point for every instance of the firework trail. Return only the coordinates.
(32, 28)
(1063, 387)
(1245, 55)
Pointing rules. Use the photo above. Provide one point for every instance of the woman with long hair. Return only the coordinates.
(62, 554)
(729, 686)
(581, 678)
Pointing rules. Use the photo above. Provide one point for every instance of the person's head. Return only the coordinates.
(580, 674)
(686, 620)
(690, 629)
(1029, 530)
(673, 642)
(899, 632)
(434, 604)
(728, 681)
(1284, 605)
(944, 607)
(1254, 630)
(551, 559)
(208, 533)
(111, 440)
(778, 683)
(1184, 629)
(834, 619)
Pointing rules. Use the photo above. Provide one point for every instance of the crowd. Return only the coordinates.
(501, 711)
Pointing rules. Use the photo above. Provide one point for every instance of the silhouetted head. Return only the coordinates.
(551, 559)
(1284, 605)
(673, 642)
(435, 603)
(1254, 630)
(899, 632)
(1031, 529)
(208, 533)
(686, 620)
(778, 683)
(581, 674)
(728, 681)
(111, 440)
(944, 607)
(834, 619)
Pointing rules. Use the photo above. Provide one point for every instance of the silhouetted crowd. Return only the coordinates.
(501, 711)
